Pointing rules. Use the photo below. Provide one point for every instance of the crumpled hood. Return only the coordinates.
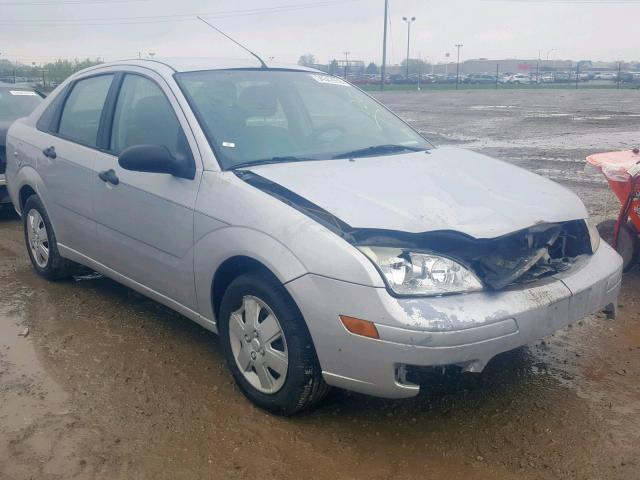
(445, 189)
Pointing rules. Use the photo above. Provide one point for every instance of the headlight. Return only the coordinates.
(594, 235)
(411, 273)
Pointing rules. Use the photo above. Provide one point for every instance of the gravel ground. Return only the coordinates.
(97, 382)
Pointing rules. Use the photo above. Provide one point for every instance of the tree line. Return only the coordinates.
(416, 65)
(46, 76)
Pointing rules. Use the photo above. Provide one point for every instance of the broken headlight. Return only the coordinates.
(413, 273)
(594, 235)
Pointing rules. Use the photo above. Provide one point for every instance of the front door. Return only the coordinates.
(145, 220)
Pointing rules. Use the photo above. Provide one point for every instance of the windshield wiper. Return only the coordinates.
(267, 161)
(378, 150)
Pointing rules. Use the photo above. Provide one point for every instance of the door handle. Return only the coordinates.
(109, 176)
(50, 152)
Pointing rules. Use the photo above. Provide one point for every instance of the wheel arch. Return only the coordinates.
(27, 182)
(23, 194)
(228, 271)
(225, 253)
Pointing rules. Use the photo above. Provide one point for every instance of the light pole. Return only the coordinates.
(384, 45)
(458, 46)
(409, 20)
(346, 63)
(549, 53)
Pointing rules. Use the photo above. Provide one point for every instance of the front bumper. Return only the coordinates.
(465, 330)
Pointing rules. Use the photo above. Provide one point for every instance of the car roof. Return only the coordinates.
(199, 64)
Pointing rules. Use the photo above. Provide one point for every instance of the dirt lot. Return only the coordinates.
(107, 384)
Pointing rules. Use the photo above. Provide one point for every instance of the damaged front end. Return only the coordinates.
(528, 255)
(524, 256)
(519, 257)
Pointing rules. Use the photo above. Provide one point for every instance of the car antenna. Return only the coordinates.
(262, 64)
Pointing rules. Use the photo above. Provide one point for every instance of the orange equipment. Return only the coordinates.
(622, 171)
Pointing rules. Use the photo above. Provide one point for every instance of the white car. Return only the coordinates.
(519, 79)
(605, 76)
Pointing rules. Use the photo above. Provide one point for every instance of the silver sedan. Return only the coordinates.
(325, 240)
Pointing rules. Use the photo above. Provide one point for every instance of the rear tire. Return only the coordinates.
(627, 241)
(244, 346)
(41, 242)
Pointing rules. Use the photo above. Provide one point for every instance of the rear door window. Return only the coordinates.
(80, 118)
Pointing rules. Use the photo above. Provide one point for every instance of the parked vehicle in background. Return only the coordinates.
(605, 76)
(15, 101)
(449, 78)
(258, 203)
(547, 78)
(397, 79)
(630, 77)
(480, 79)
(562, 77)
(426, 79)
(519, 79)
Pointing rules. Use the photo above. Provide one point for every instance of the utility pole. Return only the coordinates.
(346, 63)
(409, 20)
(619, 73)
(384, 45)
(553, 65)
(458, 46)
(497, 74)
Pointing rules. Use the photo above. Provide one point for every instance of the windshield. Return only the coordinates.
(17, 103)
(262, 116)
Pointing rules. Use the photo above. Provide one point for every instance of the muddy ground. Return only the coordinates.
(109, 385)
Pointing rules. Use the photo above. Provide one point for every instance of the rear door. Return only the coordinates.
(145, 221)
(66, 153)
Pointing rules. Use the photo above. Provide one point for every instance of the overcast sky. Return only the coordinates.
(41, 30)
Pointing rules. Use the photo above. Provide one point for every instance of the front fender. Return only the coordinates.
(225, 242)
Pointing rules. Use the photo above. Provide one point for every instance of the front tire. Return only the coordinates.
(41, 242)
(267, 346)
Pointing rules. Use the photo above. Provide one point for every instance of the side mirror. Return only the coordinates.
(154, 159)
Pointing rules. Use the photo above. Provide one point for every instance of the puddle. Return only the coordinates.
(29, 393)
